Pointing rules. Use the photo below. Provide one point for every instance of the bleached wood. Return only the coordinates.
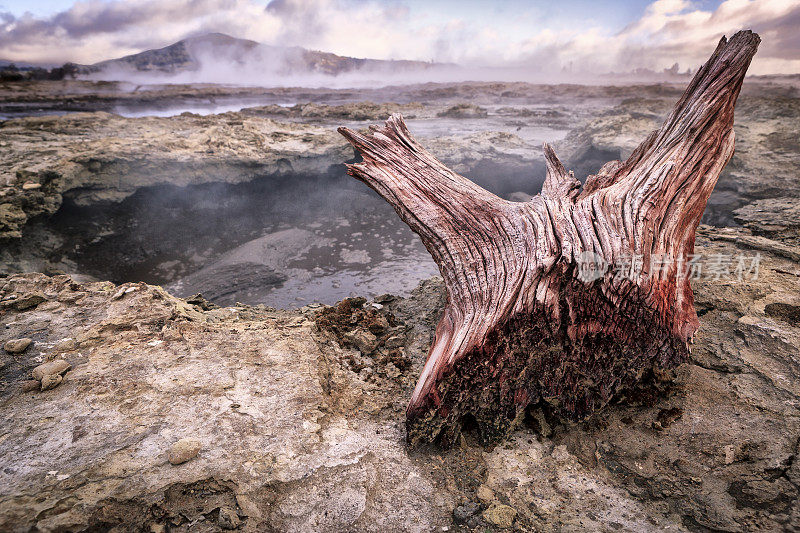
(521, 324)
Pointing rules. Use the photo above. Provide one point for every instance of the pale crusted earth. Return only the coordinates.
(299, 433)
(169, 199)
(92, 158)
(299, 414)
(765, 164)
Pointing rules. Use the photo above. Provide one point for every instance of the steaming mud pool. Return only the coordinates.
(254, 206)
(283, 241)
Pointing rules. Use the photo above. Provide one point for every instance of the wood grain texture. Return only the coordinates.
(523, 322)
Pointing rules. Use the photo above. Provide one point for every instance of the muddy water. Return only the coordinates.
(197, 108)
(289, 240)
(283, 241)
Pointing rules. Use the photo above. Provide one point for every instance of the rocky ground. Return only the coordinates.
(178, 415)
(164, 198)
(172, 200)
(124, 406)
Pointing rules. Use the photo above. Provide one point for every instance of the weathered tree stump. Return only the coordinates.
(527, 319)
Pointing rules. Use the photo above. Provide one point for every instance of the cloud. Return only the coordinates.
(302, 18)
(669, 31)
(93, 30)
(673, 31)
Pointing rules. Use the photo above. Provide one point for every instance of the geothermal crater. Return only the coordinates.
(300, 424)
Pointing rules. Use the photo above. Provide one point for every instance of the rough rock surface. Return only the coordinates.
(100, 157)
(349, 111)
(51, 368)
(184, 450)
(101, 196)
(92, 158)
(17, 345)
(51, 381)
(764, 166)
(464, 110)
(776, 218)
(302, 430)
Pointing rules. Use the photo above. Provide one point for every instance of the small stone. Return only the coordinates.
(29, 301)
(228, 519)
(30, 385)
(51, 381)
(365, 341)
(379, 324)
(730, 454)
(183, 450)
(485, 494)
(157, 528)
(119, 294)
(392, 371)
(561, 454)
(385, 298)
(500, 515)
(30, 186)
(474, 522)
(462, 513)
(122, 292)
(200, 302)
(17, 345)
(54, 367)
(395, 341)
(65, 345)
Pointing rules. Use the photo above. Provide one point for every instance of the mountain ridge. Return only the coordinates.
(189, 55)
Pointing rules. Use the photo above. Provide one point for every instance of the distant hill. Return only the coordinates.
(194, 53)
(24, 65)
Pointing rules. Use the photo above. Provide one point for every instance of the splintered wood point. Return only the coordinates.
(574, 295)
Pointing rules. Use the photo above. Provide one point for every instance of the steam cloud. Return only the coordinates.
(669, 31)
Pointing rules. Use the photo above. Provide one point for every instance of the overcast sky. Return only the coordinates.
(590, 36)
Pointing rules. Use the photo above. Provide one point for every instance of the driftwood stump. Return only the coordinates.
(574, 295)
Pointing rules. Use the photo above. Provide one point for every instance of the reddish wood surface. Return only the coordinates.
(522, 324)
